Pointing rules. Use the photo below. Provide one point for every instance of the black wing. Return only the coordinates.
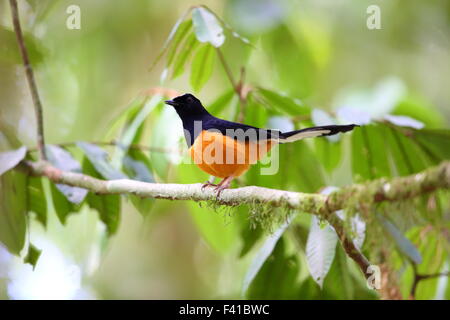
(239, 131)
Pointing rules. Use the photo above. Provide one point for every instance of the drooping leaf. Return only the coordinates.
(207, 27)
(36, 201)
(367, 161)
(63, 160)
(277, 277)
(99, 159)
(172, 39)
(329, 153)
(133, 127)
(32, 256)
(227, 26)
(202, 67)
(221, 103)
(403, 244)
(338, 281)
(186, 50)
(13, 210)
(10, 159)
(181, 33)
(63, 207)
(437, 142)
(282, 103)
(126, 116)
(320, 249)
(263, 253)
(404, 121)
(108, 206)
(408, 156)
(138, 167)
(9, 52)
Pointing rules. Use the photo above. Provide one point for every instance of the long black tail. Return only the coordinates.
(312, 132)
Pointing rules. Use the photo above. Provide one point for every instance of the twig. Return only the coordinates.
(237, 87)
(227, 69)
(30, 78)
(419, 277)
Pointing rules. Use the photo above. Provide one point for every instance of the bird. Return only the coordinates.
(226, 149)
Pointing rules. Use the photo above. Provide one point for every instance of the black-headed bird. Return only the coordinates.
(227, 149)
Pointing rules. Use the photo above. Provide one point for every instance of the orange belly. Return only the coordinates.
(222, 156)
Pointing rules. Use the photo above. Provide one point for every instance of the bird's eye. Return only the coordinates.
(189, 99)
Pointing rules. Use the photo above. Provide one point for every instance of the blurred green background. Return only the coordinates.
(316, 51)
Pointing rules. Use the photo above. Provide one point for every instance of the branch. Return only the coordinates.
(318, 204)
(419, 277)
(30, 78)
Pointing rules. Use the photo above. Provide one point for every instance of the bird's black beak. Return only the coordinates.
(171, 103)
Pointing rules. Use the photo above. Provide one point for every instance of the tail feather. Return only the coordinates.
(312, 132)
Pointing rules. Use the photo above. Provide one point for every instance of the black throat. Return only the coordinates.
(193, 122)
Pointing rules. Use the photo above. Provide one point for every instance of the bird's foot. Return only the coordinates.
(208, 184)
(224, 184)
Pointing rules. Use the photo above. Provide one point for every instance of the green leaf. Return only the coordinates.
(320, 250)
(9, 52)
(188, 48)
(221, 103)
(329, 153)
(99, 159)
(437, 142)
(339, 281)
(368, 162)
(10, 159)
(202, 67)
(32, 256)
(13, 210)
(133, 127)
(217, 229)
(138, 167)
(403, 244)
(207, 27)
(62, 206)
(36, 201)
(126, 116)
(108, 206)
(63, 160)
(408, 156)
(263, 253)
(282, 103)
(181, 33)
(277, 277)
(173, 35)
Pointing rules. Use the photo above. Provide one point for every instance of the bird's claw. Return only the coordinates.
(208, 184)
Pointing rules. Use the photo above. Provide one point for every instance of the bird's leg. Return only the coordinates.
(208, 183)
(224, 184)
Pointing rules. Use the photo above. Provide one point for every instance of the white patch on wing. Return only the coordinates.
(305, 134)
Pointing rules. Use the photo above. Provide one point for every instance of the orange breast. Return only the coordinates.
(222, 156)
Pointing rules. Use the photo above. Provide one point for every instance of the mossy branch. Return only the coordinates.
(382, 190)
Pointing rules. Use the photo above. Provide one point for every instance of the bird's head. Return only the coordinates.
(187, 105)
